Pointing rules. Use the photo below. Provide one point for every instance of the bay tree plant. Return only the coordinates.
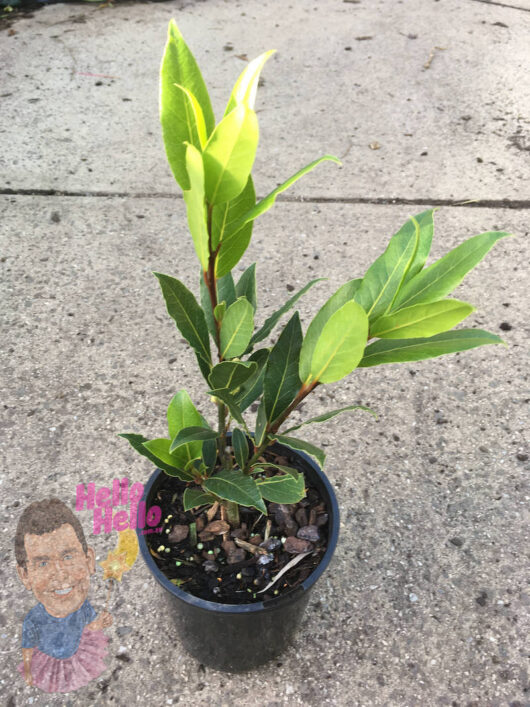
(399, 311)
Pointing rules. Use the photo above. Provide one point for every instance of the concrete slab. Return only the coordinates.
(80, 95)
(426, 603)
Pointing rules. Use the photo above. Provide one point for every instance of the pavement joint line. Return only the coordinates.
(516, 204)
(503, 4)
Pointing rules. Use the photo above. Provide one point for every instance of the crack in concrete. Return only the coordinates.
(503, 4)
(517, 204)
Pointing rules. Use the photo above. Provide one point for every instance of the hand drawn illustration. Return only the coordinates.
(63, 644)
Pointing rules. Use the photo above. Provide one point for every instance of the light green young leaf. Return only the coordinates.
(421, 320)
(439, 279)
(425, 221)
(344, 294)
(246, 287)
(234, 485)
(195, 205)
(271, 322)
(138, 441)
(341, 344)
(160, 449)
(401, 350)
(219, 311)
(189, 318)
(229, 155)
(300, 445)
(226, 229)
(194, 118)
(328, 415)
(236, 328)
(182, 413)
(246, 86)
(282, 489)
(194, 433)
(281, 382)
(386, 275)
(253, 387)
(240, 445)
(176, 114)
(193, 498)
(231, 374)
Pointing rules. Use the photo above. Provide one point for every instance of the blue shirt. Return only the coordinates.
(57, 637)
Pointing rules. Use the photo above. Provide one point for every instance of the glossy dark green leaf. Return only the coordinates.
(179, 123)
(246, 286)
(260, 467)
(240, 445)
(206, 305)
(401, 350)
(234, 485)
(328, 415)
(271, 322)
(189, 318)
(439, 279)
(236, 328)
(261, 425)
(231, 374)
(281, 382)
(300, 445)
(253, 387)
(282, 489)
(196, 497)
(229, 155)
(209, 453)
(344, 294)
(193, 433)
(137, 442)
(421, 320)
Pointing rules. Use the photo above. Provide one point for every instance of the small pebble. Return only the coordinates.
(413, 597)
(309, 532)
(271, 544)
(264, 560)
(297, 545)
(210, 566)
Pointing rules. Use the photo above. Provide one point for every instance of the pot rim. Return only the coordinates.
(192, 600)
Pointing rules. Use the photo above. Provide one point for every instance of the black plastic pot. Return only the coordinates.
(240, 637)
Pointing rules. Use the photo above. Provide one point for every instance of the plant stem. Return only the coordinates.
(232, 514)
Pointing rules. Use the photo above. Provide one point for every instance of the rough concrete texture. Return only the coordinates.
(427, 600)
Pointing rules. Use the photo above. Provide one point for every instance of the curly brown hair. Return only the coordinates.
(44, 517)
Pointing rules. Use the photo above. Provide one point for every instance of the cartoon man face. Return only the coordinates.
(57, 570)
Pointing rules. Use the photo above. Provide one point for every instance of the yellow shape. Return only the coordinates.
(115, 565)
(128, 543)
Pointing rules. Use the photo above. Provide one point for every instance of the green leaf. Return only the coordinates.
(271, 322)
(227, 231)
(236, 328)
(253, 387)
(265, 204)
(206, 305)
(328, 415)
(344, 294)
(240, 445)
(228, 399)
(195, 205)
(281, 382)
(225, 292)
(226, 289)
(401, 350)
(421, 320)
(386, 275)
(193, 498)
(340, 345)
(194, 433)
(440, 278)
(176, 113)
(194, 118)
(189, 318)
(246, 287)
(260, 467)
(231, 374)
(182, 413)
(425, 221)
(282, 489)
(300, 445)
(229, 155)
(246, 86)
(234, 485)
(261, 425)
(160, 449)
(137, 442)
(219, 311)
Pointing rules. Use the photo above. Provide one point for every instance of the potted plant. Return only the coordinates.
(249, 521)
